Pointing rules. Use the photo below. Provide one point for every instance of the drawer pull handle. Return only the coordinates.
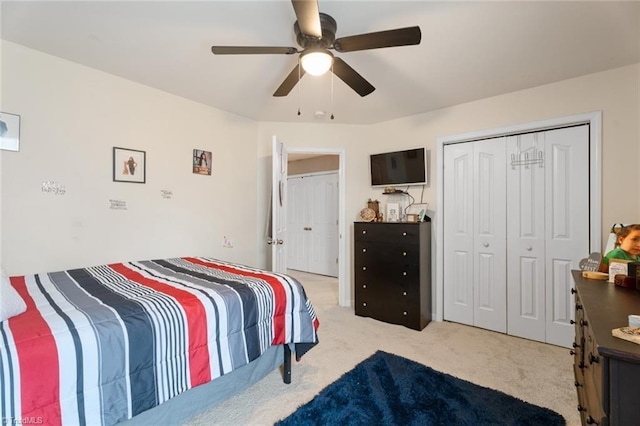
(404, 313)
(581, 408)
(364, 286)
(404, 234)
(486, 244)
(404, 293)
(364, 250)
(572, 352)
(364, 304)
(593, 359)
(529, 248)
(364, 268)
(578, 306)
(572, 322)
(590, 421)
(364, 232)
(573, 291)
(577, 384)
(404, 274)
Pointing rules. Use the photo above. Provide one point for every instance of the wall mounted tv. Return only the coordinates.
(399, 168)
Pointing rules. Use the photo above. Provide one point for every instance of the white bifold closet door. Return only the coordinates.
(313, 224)
(516, 221)
(475, 234)
(548, 232)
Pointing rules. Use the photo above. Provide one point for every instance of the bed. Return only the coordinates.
(104, 344)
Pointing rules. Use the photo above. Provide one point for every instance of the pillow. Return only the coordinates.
(11, 304)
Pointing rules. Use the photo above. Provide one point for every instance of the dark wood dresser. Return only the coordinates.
(393, 272)
(606, 368)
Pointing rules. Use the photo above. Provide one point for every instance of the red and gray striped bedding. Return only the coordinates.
(102, 344)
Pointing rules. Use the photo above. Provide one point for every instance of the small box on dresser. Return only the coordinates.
(393, 272)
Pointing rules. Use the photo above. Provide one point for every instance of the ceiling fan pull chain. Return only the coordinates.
(332, 74)
(299, 86)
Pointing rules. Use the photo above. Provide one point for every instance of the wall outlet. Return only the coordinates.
(226, 242)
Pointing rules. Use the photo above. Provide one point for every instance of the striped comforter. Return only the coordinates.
(102, 344)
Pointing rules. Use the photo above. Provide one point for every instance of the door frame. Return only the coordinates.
(344, 290)
(594, 119)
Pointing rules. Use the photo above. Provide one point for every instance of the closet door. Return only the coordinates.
(475, 232)
(567, 224)
(297, 222)
(489, 240)
(323, 224)
(547, 230)
(525, 237)
(458, 233)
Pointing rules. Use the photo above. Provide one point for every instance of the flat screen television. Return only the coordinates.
(399, 168)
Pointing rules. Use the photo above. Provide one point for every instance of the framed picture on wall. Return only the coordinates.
(202, 162)
(129, 165)
(9, 131)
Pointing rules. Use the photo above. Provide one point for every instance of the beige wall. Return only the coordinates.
(321, 163)
(71, 118)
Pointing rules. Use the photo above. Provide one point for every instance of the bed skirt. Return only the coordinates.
(183, 407)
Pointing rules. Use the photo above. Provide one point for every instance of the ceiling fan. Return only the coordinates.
(316, 34)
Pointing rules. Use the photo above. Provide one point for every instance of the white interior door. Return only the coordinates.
(548, 231)
(489, 229)
(297, 224)
(526, 238)
(278, 206)
(323, 226)
(458, 233)
(567, 224)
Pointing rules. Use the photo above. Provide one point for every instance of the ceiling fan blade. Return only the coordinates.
(290, 82)
(308, 16)
(252, 50)
(351, 77)
(391, 38)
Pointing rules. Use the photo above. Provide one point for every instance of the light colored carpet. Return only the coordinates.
(535, 372)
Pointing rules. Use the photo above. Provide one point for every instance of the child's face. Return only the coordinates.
(631, 243)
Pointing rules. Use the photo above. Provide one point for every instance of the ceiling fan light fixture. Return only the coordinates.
(316, 62)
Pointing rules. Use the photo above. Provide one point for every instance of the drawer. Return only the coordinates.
(387, 232)
(394, 254)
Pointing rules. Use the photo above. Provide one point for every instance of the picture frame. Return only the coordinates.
(129, 165)
(9, 131)
(202, 162)
(393, 212)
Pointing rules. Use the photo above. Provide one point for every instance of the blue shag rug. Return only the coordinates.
(387, 389)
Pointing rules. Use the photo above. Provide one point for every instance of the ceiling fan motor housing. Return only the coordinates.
(329, 27)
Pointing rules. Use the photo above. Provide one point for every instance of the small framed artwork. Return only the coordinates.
(202, 162)
(129, 165)
(9, 131)
(393, 212)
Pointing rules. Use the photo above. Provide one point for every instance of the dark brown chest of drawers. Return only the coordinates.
(606, 368)
(393, 272)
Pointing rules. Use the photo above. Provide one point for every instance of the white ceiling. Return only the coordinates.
(470, 50)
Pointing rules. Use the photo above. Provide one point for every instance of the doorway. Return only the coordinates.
(297, 153)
